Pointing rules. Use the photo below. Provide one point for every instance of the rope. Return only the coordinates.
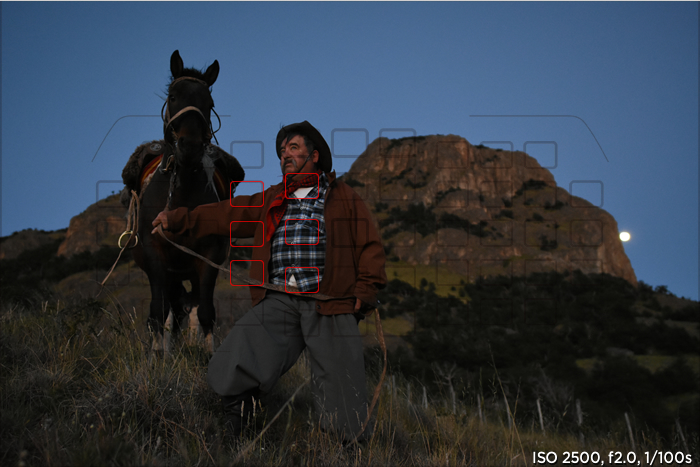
(247, 279)
(131, 229)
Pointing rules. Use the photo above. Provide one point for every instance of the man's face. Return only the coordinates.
(293, 156)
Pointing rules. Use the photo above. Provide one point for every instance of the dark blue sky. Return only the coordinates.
(615, 85)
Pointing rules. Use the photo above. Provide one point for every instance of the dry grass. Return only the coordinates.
(78, 388)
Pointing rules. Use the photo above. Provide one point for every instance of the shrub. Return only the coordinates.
(442, 194)
(546, 244)
(416, 216)
(549, 206)
(379, 206)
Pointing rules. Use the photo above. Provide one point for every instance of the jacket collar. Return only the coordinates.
(331, 180)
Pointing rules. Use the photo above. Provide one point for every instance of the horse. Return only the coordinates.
(185, 177)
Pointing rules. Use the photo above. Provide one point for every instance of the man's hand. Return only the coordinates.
(361, 307)
(161, 219)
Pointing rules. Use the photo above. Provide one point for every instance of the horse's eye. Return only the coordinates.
(171, 98)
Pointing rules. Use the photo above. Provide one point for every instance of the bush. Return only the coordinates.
(27, 278)
(416, 216)
(677, 378)
(379, 207)
(688, 313)
(550, 207)
(546, 244)
(442, 194)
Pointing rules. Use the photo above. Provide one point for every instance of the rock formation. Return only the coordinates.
(477, 211)
(100, 224)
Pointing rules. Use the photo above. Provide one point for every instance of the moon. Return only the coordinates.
(625, 236)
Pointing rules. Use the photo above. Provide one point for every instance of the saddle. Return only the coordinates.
(146, 159)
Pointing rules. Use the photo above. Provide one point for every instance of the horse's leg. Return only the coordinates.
(179, 303)
(194, 331)
(177, 295)
(159, 310)
(206, 313)
(167, 342)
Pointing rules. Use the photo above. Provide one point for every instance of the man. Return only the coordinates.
(316, 235)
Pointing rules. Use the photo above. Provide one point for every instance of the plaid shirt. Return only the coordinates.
(299, 243)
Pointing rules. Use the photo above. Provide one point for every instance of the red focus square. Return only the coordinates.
(249, 181)
(255, 263)
(318, 229)
(262, 225)
(318, 276)
(301, 173)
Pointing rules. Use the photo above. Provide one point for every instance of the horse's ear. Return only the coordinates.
(176, 65)
(212, 73)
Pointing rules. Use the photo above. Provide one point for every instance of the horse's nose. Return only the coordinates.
(189, 150)
(187, 143)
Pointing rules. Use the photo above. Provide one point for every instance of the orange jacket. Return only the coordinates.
(354, 253)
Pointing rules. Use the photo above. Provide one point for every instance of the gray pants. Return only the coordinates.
(268, 340)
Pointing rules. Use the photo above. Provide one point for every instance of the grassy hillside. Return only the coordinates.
(468, 366)
(557, 338)
(77, 388)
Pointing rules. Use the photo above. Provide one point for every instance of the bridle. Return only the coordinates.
(168, 120)
(168, 164)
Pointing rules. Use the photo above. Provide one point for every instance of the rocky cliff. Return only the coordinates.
(477, 211)
(99, 225)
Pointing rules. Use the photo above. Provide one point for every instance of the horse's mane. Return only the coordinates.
(191, 72)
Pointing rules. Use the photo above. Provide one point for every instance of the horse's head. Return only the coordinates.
(187, 121)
